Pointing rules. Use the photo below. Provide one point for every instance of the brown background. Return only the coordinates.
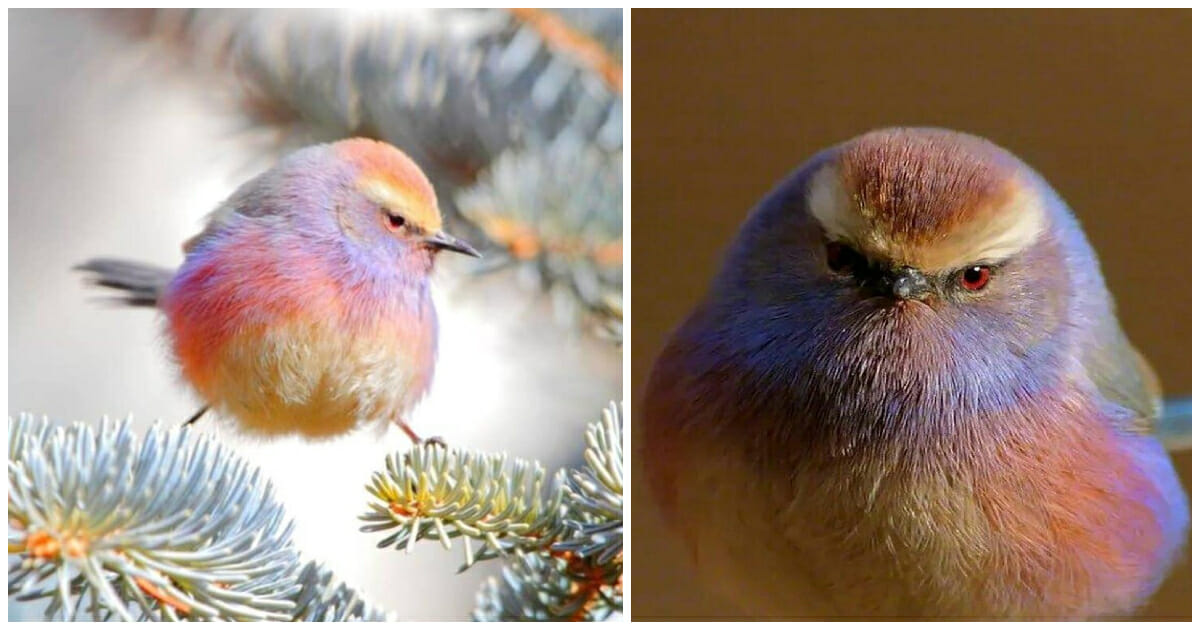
(725, 103)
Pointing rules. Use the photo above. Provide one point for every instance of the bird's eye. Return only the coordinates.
(975, 278)
(841, 258)
(395, 221)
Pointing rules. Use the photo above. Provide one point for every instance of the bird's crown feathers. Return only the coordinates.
(928, 198)
(390, 178)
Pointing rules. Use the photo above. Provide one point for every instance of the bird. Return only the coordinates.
(303, 307)
(906, 394)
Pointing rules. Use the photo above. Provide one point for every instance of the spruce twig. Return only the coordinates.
(174, 526)
(431, 492)
(562, 546)
(322, 598)
(169, 527)
(556, 210)
(579, 577)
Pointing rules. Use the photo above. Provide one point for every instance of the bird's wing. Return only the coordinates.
(672, 414)
(1123, 375)
(245, 203)
(216, 219)
(1175, 425)
(661, 408)
(249, 200)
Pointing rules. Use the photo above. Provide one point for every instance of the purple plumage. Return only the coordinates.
(908, 380)
(304, 306)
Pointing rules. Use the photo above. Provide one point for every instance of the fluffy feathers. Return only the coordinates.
(973, 454)
(304, 305)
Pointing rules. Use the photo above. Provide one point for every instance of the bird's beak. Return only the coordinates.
(442, 240)
(908, 283)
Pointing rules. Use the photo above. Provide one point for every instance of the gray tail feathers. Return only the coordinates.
(141, 283)
(1175, 425)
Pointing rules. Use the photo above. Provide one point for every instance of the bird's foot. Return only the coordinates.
(196, 416)
(416, 439)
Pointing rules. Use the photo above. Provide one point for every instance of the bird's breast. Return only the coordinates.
(300, 351)
(321, 377)
(1073, 520)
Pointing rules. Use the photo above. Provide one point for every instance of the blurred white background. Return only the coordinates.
(114, 150)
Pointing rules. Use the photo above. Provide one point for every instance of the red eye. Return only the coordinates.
(840, 258)
(395, 221)
(975, 278)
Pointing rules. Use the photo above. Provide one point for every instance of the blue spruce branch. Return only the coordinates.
(322, 598)
(562, 544)
(556, 211)
(179, 528)
(173, 526)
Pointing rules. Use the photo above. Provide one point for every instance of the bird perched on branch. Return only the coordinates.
(907, 394)
(304, 306)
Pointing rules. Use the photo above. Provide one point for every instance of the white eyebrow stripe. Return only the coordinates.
(383, 194)
(1001, 234)
(399, 200)
(830, 206)
(997, 235)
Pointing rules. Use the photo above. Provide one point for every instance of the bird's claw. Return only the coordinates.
(416, 439)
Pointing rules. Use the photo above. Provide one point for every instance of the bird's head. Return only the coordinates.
(389, 205)
(926, 218)
(906, 255)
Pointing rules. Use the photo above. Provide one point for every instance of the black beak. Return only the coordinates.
(910, 284)
(442, 240)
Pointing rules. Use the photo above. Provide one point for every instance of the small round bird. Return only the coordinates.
(906, 394)
(304, 305)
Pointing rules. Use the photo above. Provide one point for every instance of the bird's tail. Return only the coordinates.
(1175, 425)
(140, 283)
